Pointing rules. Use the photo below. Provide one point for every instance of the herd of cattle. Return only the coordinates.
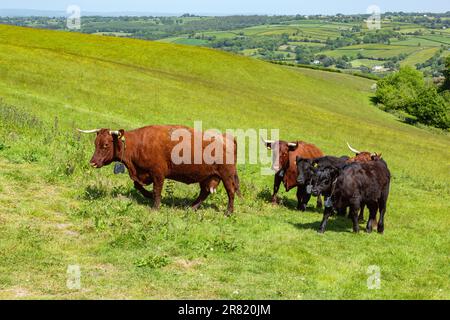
(354, 183)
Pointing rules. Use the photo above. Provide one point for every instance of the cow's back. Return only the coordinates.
(156, 150)
(369, 179)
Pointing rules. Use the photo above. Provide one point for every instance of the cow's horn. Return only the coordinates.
(291, 144)
(353, 150)
(114, 133)
(89, 131)
(267, 141)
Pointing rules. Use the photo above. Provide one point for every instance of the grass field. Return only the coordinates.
(372, 51)
(308, 44)
(419, 56)
(365, 62)
(55, 211)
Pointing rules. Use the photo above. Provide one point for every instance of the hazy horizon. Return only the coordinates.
(231, 7)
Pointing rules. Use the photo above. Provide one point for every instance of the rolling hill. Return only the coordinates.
(55, 211)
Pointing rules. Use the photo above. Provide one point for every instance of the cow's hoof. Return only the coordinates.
(368, 230)
(320, 231)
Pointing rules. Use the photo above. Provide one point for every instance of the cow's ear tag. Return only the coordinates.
(119, 168)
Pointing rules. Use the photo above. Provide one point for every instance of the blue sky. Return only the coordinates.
(234, 6)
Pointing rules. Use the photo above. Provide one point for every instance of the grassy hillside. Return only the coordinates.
(55, 211)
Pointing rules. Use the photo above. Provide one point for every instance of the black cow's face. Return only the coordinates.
(323, 181)
(306, 170)
(105, 147)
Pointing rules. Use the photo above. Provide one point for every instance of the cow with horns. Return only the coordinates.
(284, 155)
(147, 153)
(364, 156)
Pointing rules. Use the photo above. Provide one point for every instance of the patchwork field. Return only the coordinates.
(333, 41)
(55, 211)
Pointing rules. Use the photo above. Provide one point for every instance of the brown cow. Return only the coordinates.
(147, 154)
(284, 156)
(364, 156)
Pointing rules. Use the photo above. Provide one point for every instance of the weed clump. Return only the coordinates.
(152, 261)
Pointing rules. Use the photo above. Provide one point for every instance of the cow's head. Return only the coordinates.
(280, 153)
(364, 156)
(107, 146)
(324, 179)
(306, 170)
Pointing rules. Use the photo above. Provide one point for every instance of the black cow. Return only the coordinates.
(319, 173)
(360, 184)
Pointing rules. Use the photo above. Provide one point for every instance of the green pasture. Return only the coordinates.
(308, 44)
(419, 56)
(365, 62)
(56, 211)
(372, 50)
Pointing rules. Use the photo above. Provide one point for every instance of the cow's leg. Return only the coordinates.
(203, 195)
(276, 186)
(306, 198)
(372, 217)
(302, 198)
(361, 213)
(382, 208)
(158, 183)
(319, 202)
(326, 214)
(204, 192)
(229, 186)
(142, 190)
(354, 215)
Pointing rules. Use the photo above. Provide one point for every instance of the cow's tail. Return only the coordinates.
(237, 186)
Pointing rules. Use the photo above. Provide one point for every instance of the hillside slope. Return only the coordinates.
(52, 82)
